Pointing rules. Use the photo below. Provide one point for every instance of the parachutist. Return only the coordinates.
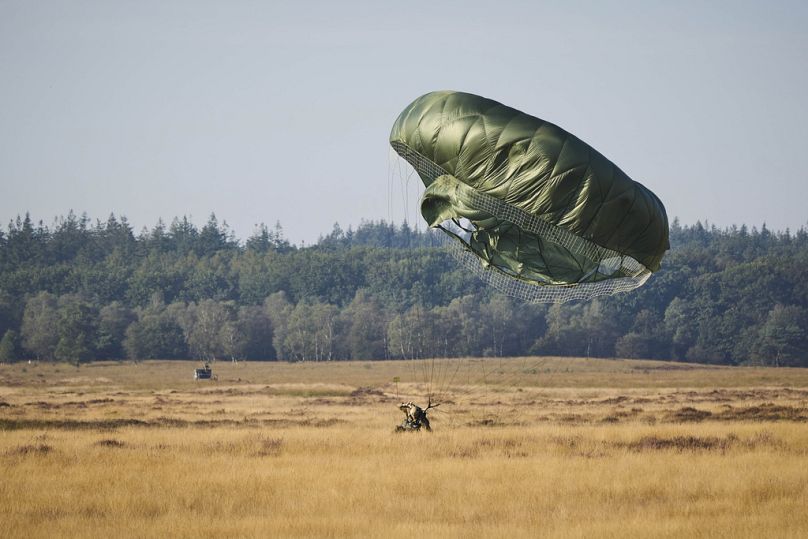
(415, 416)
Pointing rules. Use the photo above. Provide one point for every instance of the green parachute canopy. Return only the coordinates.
(537, 212)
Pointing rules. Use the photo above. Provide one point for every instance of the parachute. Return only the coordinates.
(534, 210)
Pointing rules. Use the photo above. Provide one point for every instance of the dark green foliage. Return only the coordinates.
(157, 334)
(278, 308)
(255, 330)
(81, 291)
(210, 329)
(39, 325)
(263, 240)
(582, 329)
(9, 347)
(113, 320)
(646, 339)
(10, 313)
(366, 327)
(781, 338)
(77, 328)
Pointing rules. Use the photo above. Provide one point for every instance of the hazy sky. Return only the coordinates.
(263, 111)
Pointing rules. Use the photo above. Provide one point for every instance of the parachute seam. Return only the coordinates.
(623, 219)
(602, 199)
(574, 195)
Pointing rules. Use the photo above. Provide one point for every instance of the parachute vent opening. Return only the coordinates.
(613, 272)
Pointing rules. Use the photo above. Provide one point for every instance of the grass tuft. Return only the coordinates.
(109, 442)
(30, 449)
(688, 414)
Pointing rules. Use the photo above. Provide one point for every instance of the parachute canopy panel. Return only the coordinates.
(535, 211)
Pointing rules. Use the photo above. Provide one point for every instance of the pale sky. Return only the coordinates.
(265, 110)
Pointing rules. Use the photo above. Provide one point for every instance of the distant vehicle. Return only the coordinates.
(205, 373)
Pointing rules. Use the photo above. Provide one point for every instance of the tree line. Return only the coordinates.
(79, 290)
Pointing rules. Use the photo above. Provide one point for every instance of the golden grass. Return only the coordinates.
(279, 450)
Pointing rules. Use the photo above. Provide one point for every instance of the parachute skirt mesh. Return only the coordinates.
(624, 272)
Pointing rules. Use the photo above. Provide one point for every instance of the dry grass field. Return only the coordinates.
(567, 448)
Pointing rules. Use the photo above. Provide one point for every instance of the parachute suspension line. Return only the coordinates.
(399, 190)
(439, 371)
(431, 378)
(507, 373)
(410, 211)
(427, 368)
(393, 174)
(442, 364)
(424, 378)
(511, 371)
(425, 168)
(512, 374)
(415, 375)
(452, 367)
(407, 349)
(417, 356)
(431, 406)
(438, 390)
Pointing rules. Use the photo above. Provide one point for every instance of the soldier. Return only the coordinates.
(416, 417)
